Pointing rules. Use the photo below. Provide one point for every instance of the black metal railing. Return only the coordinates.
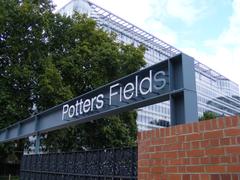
(6, 169)
(95, 164)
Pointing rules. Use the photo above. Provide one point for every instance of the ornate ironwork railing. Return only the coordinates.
(94, 164)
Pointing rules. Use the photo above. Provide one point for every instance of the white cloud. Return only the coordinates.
(132, 10)
(231, 36)
(222, 60)
(224, 55)
(188, 11)
(140, 14)
(60, 3)
(161, 31)
(151, 15)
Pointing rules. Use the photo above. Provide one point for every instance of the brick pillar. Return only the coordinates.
(207, 150)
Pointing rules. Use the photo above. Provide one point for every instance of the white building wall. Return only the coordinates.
(211, 86)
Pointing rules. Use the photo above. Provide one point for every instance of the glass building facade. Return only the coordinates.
(215, 92)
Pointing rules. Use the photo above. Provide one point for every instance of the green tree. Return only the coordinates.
(46, 58)
(208, 115)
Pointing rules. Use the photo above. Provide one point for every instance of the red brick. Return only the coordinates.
(168, 131)
(158, 133)
(205, 160)
(215, 151)
(195, 145)
(185, 129)
(157, 155)
(189, 128)
(162, 132)
(144, 156)
(175, 162)
(194, 169)
(215, 160)
(214, 142)
(233, 150)
(235, 121)
(225, 176)
(195, 160)
(171, 140)
(205, 143)
(204, 177)
(156, 162)
(185, 177)
(143, 162)
(224, 141)
(173, 130)
(221, 122)
(226, 159)
(144, 135)
(228, 121)
(234, 159)
(215, 169)
(201, 126)
(151, 149)
(181, 154)
(181, 169)
(233, 140)
(194, 137)
(186, 146)
(175, 147)
(232, 132)
(156, 142)
(195, 127)
(214, 124)
(215, 177)
(195, 176)
(139, 136)
(208, 125)
(154, 133)
(157, 170)
(175, 177)
(143, 169)
(158, 148)
(233, 168)
(170, 169)
(162, 177)
(195, 153)
(178, 129)
(170, 155)
(238, 140)
(235, 177)
(213, 134)
(181, 138)
(186, 161)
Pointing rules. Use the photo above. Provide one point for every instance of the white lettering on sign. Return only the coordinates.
(117, 93)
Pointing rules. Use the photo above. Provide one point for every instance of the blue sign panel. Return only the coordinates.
(130, 91)
(172, 79)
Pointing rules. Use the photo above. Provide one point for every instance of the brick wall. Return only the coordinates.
(208, 150)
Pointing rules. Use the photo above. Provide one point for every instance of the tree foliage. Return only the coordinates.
(208, 115)
(46, 58)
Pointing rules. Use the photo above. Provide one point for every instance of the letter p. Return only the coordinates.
(65, 110)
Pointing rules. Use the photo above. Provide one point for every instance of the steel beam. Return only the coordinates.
(179, 88)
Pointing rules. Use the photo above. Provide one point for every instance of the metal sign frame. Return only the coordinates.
(172, 79)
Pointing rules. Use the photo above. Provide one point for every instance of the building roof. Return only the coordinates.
(163, 46)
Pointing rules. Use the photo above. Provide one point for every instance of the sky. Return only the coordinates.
(207, 30)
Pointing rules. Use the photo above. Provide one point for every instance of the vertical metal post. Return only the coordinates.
(114, 162)
(37, 144)
(37, 141)
(183, 104)
(132, 160)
